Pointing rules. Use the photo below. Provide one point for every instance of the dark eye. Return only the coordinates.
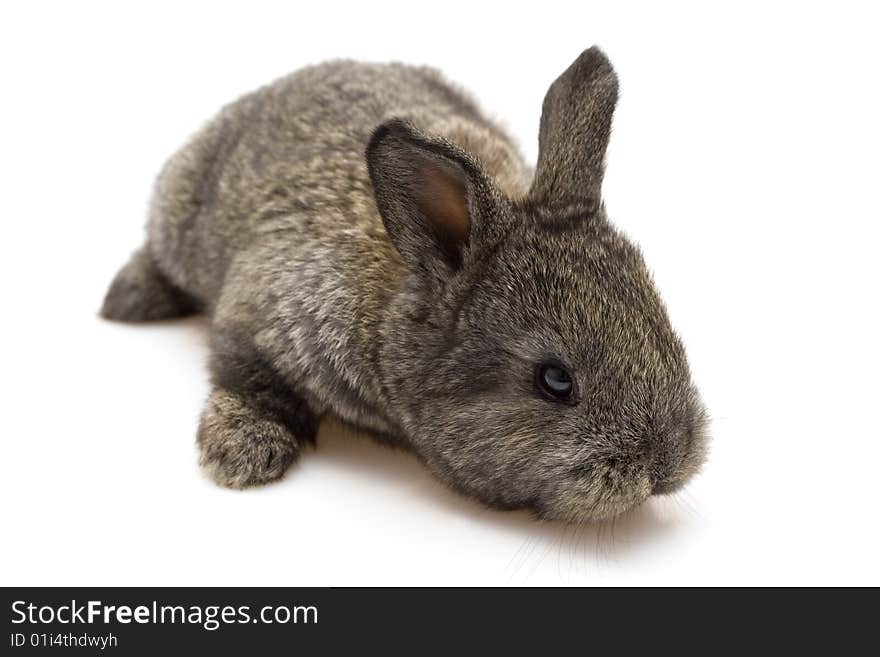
(555, 381)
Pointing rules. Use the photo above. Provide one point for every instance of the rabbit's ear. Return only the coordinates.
(434, 200)
(575, 126)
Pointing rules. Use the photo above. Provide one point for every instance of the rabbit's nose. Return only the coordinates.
(664, 480)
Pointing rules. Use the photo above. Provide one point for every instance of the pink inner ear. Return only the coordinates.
(443, 201)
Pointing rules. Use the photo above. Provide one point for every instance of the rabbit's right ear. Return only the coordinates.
(575, 127)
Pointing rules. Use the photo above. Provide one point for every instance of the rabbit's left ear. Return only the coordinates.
(575, 127)
(436, 203)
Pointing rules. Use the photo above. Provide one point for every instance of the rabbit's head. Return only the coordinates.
(529, 358)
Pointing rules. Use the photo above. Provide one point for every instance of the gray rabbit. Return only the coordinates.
(368, 243)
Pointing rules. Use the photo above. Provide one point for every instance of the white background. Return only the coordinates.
(744, 161)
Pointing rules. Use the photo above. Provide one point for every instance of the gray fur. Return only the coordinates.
(318, 221)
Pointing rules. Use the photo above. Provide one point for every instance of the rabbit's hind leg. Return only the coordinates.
(141, 292)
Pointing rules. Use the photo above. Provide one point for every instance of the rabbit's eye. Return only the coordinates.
(555, 381)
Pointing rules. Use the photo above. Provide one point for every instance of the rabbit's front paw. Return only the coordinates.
(242, 446)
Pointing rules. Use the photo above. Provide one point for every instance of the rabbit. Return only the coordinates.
(367, 243)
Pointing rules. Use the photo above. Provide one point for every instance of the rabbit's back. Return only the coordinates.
(289, 157)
